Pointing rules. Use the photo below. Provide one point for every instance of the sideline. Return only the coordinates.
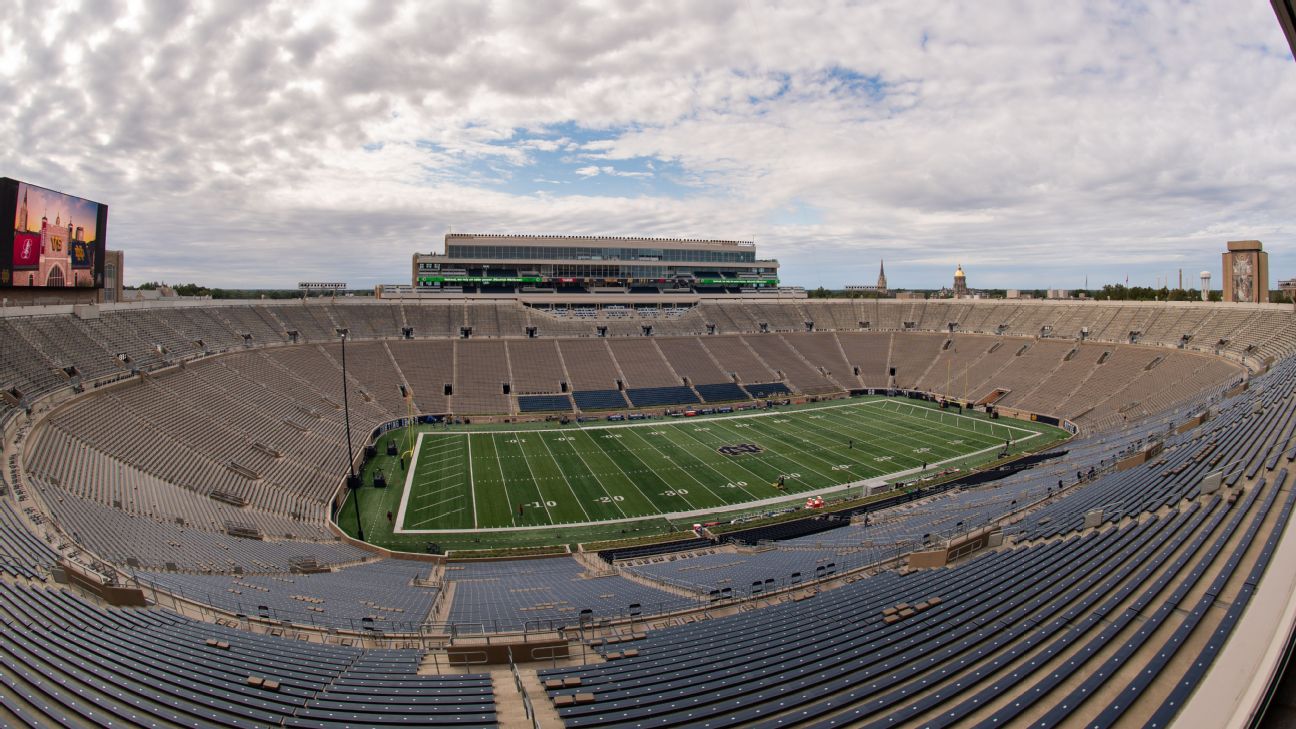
(697, 513)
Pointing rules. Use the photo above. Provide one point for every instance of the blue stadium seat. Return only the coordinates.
(599, 400)
(543, 403)
(722, 392)
(649, 396)
(1036, 628)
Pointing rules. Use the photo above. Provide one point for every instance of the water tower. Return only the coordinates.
(1205, 285)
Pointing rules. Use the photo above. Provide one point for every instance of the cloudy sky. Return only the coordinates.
(259, 144)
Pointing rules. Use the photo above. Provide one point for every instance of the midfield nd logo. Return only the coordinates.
(739, 449)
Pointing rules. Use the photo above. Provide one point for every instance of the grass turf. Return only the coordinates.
(549, 484)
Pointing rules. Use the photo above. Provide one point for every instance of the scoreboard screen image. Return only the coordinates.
(56, 240)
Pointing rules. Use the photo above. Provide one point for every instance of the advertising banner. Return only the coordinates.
(82, 255)
(26, 250)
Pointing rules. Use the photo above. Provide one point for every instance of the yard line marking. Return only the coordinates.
(921, 425)
(852, 403)
(450, 445)
(442, 501)
(438, 457)
(534, 481)
(409, 482)
(577, 451)
(916, 420)
(646, 469)
(682, 515)
(448, 513)
(599, 481)
(438, 462)
(909, 422)
(759, 478)
(431, 493)
(802, 464)
(503, 479)
(832, 444)
(564, 477)
(443, 478)
(686, 471)
(716, 471)
(974, 421)
(472, 484)
(869, 429)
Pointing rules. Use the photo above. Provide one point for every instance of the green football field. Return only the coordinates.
(676, 468)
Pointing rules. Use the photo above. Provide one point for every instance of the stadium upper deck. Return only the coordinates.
(568, 263)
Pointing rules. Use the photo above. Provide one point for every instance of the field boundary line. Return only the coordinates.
(738, 506)
(409, 482)
(499, 463)
(472, 483)
(891, 443)
(899, 401)
(647, 423)
(817, 431)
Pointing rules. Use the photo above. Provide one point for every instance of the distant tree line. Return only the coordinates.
(1121, 292)
(1145, 293)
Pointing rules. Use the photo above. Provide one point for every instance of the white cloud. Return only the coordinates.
(596, 170)
(250, 144)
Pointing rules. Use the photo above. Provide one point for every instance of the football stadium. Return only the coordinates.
(1034, 480)
(635, 481)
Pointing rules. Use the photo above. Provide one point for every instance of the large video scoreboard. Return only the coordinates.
(55, 241)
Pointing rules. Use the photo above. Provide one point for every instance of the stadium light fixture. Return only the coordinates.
(353, 482)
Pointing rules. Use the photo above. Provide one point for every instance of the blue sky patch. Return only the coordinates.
(565, 159)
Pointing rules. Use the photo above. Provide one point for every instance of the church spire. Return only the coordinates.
(881, 282)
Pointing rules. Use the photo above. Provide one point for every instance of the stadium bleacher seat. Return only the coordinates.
(722, 392)
(154, 475)
(645, 397)
(598, 399)
(544, 403)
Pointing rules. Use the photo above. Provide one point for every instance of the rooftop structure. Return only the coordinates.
(480, 263)
(1286, 12)
(960, 283)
